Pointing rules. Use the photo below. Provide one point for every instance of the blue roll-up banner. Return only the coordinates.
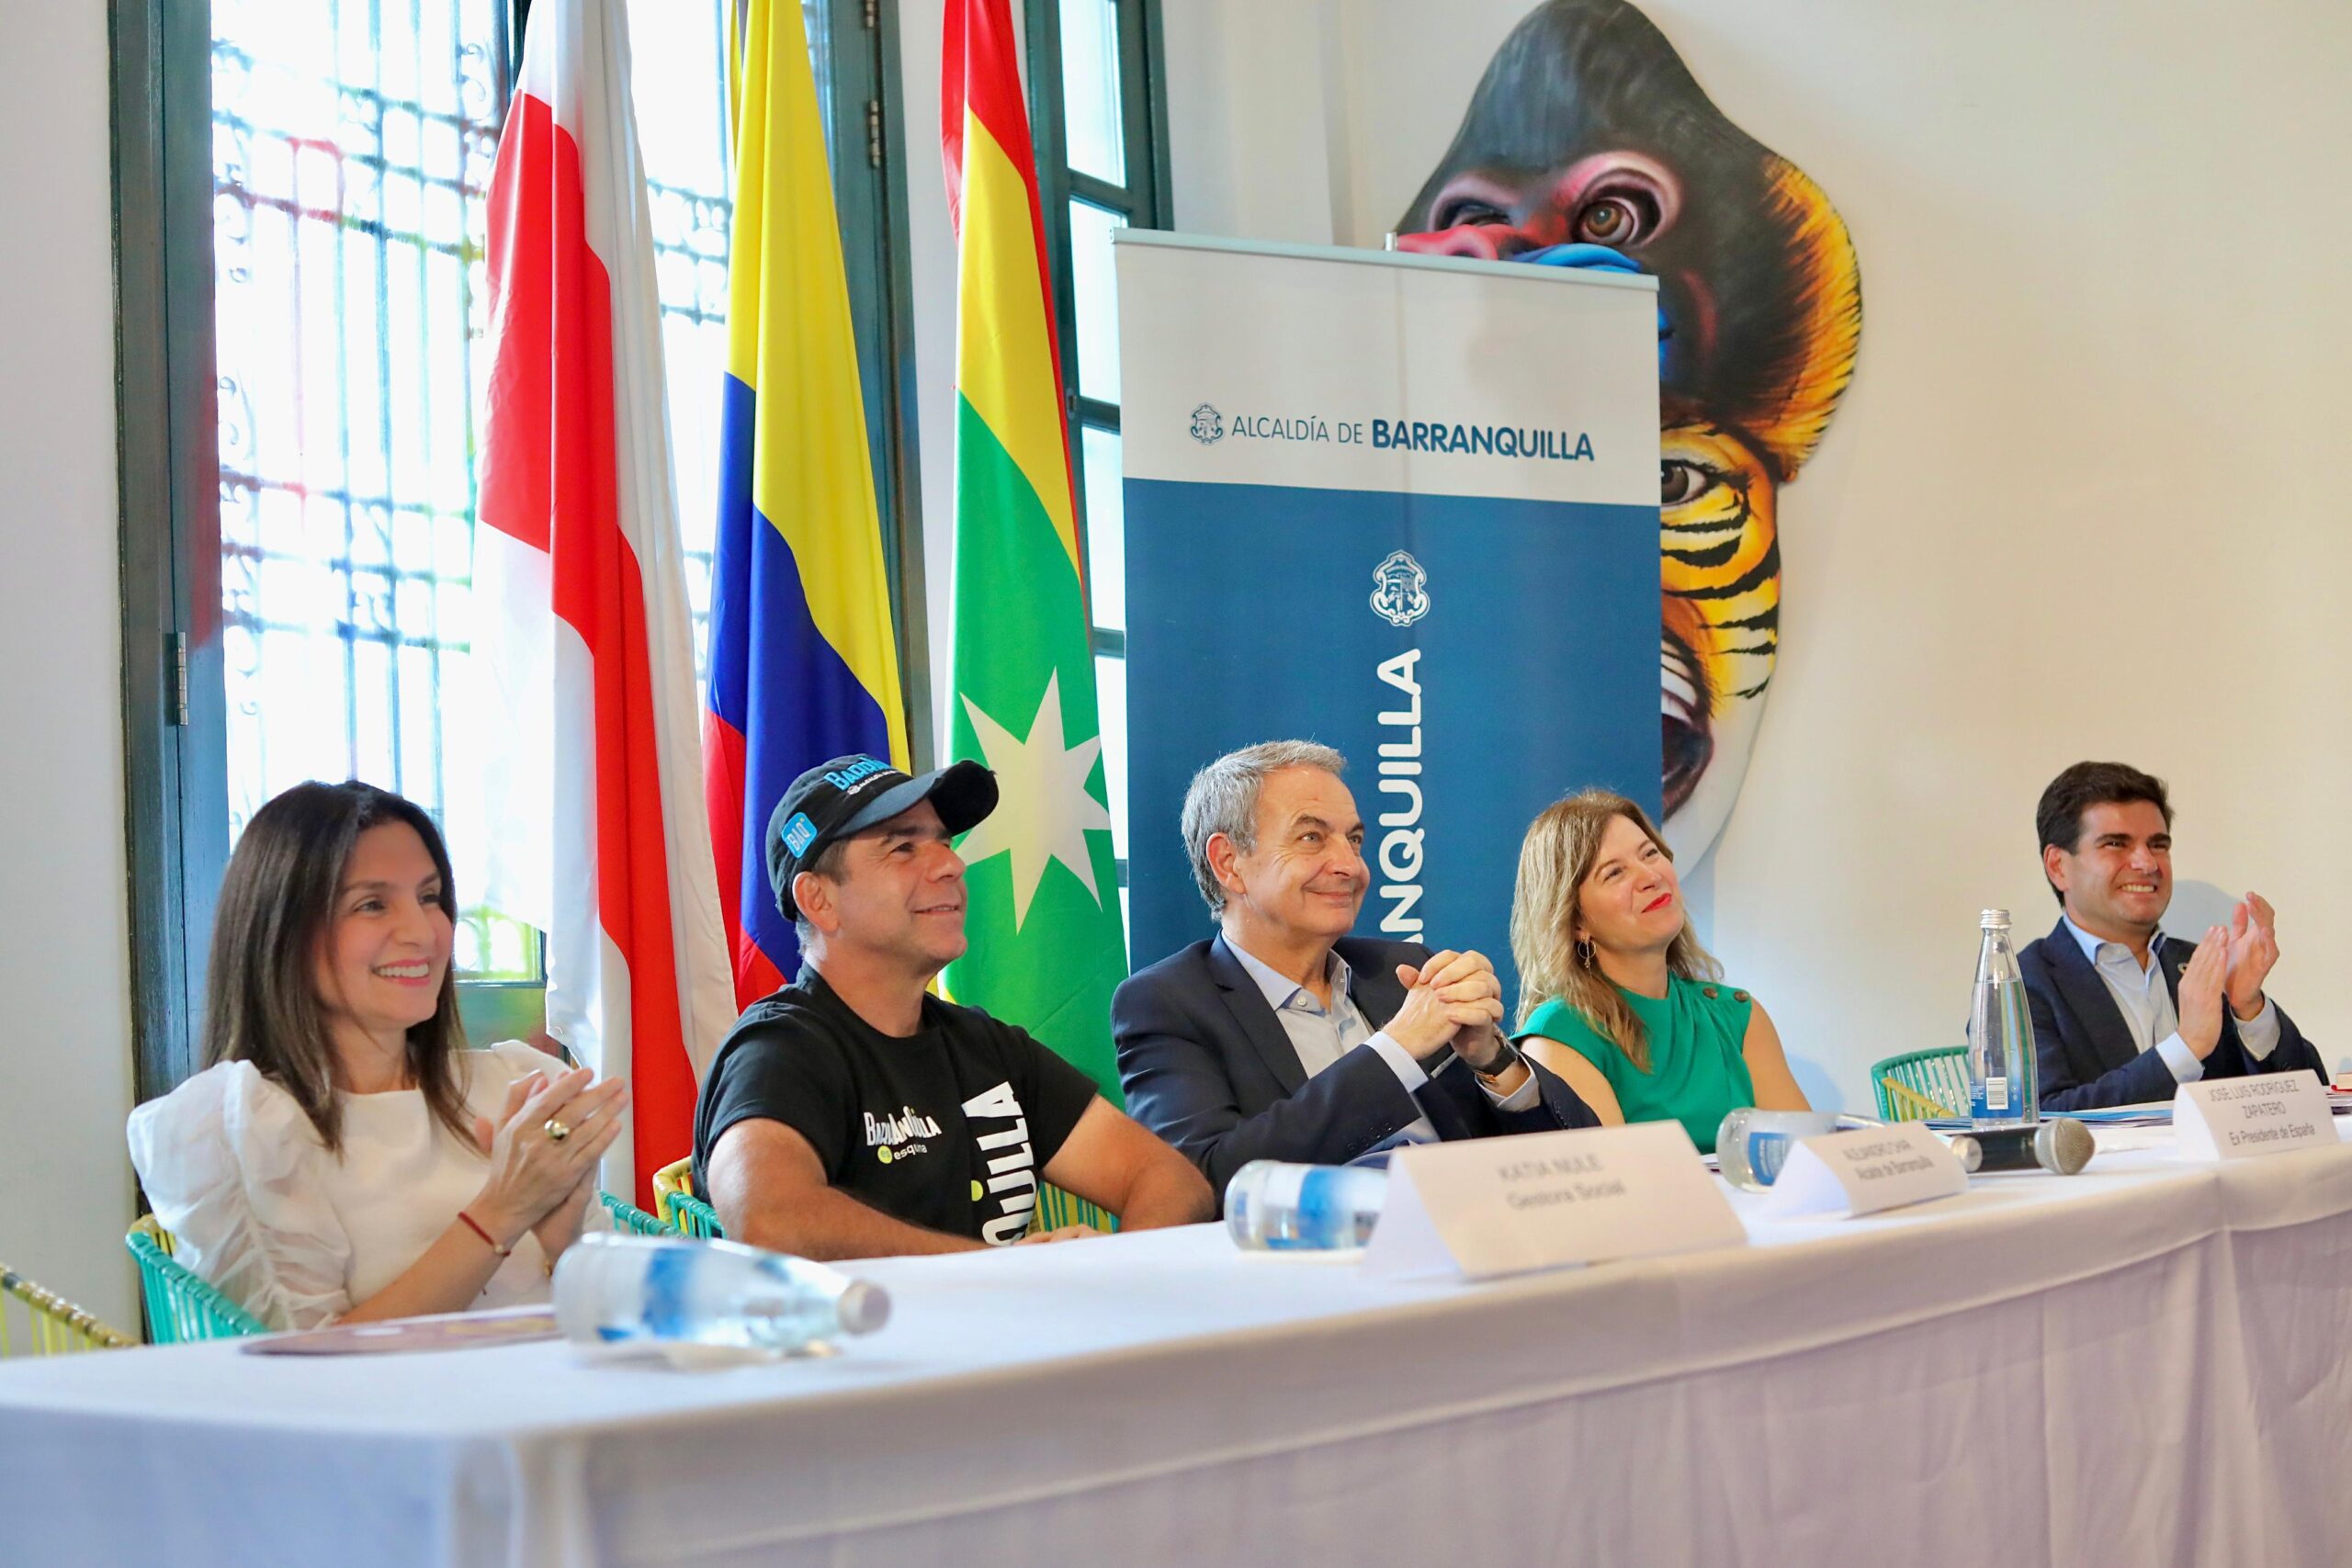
(1404, 505)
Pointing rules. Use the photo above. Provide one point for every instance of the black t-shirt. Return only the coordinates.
(949, 1128)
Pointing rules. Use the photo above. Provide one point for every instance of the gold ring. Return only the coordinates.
(556, 1131)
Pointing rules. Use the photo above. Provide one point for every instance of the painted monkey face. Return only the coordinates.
(1630, 199)
(1720, 568)
(1620, 199)
(1586, 127)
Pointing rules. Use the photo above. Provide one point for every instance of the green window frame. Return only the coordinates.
(1069, 84)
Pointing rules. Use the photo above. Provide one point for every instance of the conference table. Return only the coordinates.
(2143, 1364)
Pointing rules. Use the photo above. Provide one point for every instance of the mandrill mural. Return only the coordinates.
(1588, 131)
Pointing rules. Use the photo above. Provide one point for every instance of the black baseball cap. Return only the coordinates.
(849, 795)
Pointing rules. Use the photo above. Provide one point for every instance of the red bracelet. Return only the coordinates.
(488, 1240)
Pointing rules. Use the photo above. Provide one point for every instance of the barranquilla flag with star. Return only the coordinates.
(1043, 917)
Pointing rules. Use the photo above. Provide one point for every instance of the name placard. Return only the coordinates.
(1866, 1170)
(2245, 1118)
(1501, 1205)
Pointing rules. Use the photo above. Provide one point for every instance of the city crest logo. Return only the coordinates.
(1208, 425)
(1400, 589)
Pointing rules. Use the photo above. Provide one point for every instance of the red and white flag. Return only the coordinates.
(590, 759)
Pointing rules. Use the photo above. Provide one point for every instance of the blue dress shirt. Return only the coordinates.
(1322, 1035)
(2145, 1001)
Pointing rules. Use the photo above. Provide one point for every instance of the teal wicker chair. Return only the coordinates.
(1918, 1085)
(674, 1197)
(629, 1217)
(181, 1307)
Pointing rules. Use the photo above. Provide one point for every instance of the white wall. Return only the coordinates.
(2083, 499)
(65, 1075)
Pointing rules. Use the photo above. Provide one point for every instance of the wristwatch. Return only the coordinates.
(1505, 1059)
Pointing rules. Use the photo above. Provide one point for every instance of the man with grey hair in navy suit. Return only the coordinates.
(2123, 1013)
(1282, 1037)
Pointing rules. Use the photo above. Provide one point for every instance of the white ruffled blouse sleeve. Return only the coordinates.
(230, 1162)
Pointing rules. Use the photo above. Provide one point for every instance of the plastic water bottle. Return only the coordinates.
(1751, 1145)
(614, 1289)
(1273, 1206)
(2001, 1090)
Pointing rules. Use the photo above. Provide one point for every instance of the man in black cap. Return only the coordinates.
(852, 1114)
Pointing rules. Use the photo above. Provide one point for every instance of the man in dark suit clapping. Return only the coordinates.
(1285, 1038)
(2123, 1013)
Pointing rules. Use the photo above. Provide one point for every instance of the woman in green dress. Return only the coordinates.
(1616, 996)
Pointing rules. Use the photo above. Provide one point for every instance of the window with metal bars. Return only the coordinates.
(301, 189)
(351, 163)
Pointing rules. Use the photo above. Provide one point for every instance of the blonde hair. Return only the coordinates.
(1557, 855)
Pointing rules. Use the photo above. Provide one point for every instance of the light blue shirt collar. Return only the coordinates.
(2092, 945)
(1280, 990)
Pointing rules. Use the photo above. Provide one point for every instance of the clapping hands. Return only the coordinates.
(538, 1181)
(2201, 986)
(2253, 949)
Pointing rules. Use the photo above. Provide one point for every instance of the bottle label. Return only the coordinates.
(1996, 1094)
(1767, 1153)
(1283, 1184)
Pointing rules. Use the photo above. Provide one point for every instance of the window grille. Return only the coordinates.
(351, 148)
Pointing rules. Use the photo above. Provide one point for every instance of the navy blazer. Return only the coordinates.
(1206, 1065)
(2084, 1053)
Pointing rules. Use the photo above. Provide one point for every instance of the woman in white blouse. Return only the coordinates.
(345, 1157)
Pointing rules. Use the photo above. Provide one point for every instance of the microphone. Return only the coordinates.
(2061, 1145)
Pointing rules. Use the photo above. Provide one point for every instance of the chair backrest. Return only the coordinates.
(629, 1217)
(669, 1182)
(53, 1326)
(674, 1200)
(182, 1307)
(1921, 1084)
(1056, 1208)
(1900, 1103)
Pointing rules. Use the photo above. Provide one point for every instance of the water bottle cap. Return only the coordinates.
(863, 1307)
(1996, 919)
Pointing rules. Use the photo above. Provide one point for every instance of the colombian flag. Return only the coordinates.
(803, 664)
(1043, 912)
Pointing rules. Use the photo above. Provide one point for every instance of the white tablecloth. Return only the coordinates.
(2141, 1365)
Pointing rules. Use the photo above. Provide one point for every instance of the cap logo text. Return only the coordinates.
(849, 778)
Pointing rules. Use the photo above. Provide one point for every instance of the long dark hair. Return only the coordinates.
(278, 902)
